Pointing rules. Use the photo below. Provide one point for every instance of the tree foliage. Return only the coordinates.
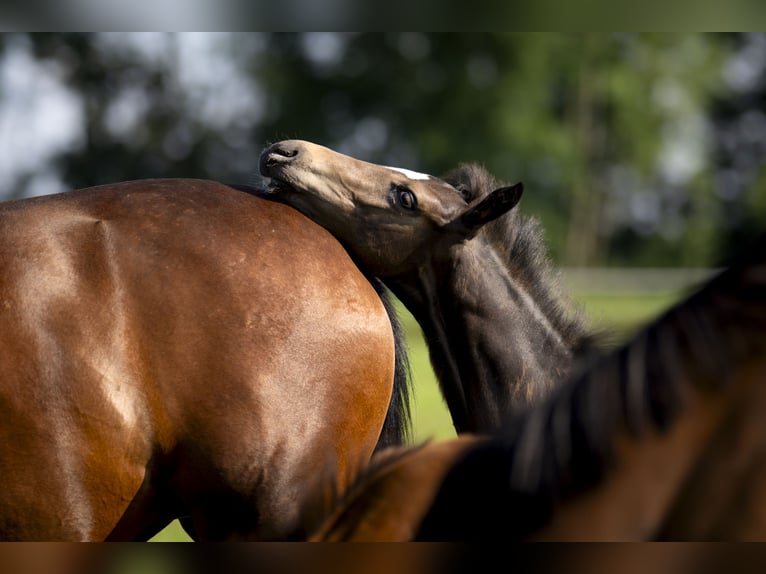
(628, 144)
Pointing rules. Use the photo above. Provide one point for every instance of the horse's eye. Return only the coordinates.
(465, 192)
(406, 198)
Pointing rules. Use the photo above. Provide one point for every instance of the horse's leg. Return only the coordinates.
(187, 524)
(128, 531)
(153, 507)
(223, 517)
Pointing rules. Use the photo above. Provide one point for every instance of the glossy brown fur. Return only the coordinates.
(178, 348)
(661, 439)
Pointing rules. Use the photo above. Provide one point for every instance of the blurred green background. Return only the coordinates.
(642, 154)
(636, 149)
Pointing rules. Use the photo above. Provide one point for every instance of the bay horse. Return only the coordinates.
(182, 349)
(473, 272)
(663, 438)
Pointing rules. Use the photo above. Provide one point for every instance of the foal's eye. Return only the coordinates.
(405, 197)
(465, 192)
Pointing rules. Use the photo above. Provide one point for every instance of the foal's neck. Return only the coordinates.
(499, 339)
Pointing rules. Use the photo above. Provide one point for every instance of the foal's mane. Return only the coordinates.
(565, 445)
(520, 242)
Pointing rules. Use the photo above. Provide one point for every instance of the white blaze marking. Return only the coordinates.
(410, 174)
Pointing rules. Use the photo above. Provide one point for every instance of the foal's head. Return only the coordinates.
(389, 218)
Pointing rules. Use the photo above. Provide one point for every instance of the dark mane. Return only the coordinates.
(565, 446)
(520, 241)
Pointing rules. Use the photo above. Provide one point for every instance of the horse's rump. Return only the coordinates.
(178, 347)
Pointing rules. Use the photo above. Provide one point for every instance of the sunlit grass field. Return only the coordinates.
(620, 314)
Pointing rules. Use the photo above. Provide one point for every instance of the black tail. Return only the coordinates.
(397, 428)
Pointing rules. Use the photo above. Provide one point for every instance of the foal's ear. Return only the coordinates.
(500, 201)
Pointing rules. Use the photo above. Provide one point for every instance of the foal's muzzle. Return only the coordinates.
(278, 155)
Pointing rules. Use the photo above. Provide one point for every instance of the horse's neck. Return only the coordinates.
(492, 345)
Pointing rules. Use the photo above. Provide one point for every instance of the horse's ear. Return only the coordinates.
(500, 201)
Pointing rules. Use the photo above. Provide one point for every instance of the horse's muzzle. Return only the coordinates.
(278, 155)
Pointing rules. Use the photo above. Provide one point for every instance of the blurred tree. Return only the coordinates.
(607, 131)
(611, 133)
(147, 113)
(739, 145)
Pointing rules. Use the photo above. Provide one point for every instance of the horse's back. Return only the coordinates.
(175, 337)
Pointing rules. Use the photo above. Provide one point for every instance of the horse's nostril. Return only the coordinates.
(283, 150)
(278, 154)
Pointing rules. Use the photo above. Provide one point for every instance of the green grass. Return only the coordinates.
(621, 314)
(624, 313)
(172, 533)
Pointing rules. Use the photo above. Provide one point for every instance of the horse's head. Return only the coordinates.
(388, 218)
